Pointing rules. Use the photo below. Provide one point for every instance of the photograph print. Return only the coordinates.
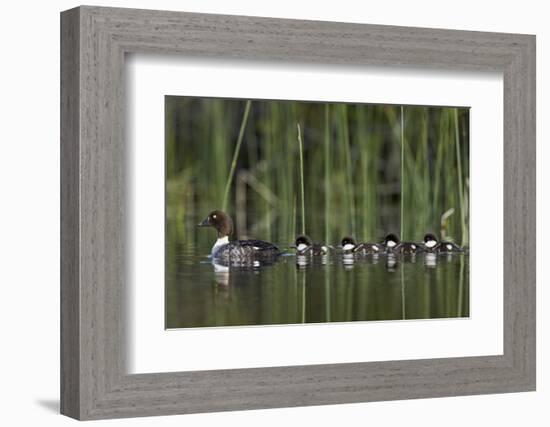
(297, 212)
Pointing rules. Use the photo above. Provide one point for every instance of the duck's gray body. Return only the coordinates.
(244, 251)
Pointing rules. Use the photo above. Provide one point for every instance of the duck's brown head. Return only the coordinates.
(220, 221)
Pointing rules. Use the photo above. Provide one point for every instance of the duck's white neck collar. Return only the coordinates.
(220, 242)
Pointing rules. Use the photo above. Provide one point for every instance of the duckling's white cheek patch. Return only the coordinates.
(301, 247)
(391, 244)
(430, 243)
(348, 247)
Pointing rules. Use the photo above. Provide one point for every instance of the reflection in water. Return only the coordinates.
(221, 274)
(348, 260)
(430, 260)
(303, 261)
(308, 289)
(391, 263)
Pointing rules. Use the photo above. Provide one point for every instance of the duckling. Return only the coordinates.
(390, 243)
(409, 248)
(394, 245)
(349, 245)
(432, 245)
(304, 246)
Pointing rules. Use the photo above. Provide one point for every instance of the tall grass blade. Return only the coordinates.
(236, 155)
(401, 230)
(403, 307)
(327, 173)
(349, 169)
(302, 192)
(459, 178)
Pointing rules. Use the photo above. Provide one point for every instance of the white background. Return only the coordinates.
(150, 79)
(29, 213)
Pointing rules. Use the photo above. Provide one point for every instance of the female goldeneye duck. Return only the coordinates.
(349, 245)
(431, 244)
(236, 250)
(304, 246)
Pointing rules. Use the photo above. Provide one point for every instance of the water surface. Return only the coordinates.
(329, 289)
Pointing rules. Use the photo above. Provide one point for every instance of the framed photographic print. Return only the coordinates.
(261, 213)
(304, 169)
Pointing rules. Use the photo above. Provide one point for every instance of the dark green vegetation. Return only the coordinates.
(359, 174)
(363, 170)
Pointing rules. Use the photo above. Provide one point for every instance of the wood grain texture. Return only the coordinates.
(94, 381)
(70, 291)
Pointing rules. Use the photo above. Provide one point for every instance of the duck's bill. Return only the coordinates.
(204, 223)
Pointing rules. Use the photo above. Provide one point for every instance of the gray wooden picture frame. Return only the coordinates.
(94, 381)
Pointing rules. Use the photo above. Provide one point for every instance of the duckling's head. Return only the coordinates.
(430, 240)
(302, 242)
(220, 221)
(348, 243)
(391, 240)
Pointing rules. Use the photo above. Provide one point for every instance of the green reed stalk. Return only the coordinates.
(236, 155)
(440, 204)
(402, 173)
(428, 214)
(327, 173)
(460, 288)
(349, 183)
(327, 207)
(327, 293)
(288, 188)
(293, 224)
(302, 192)
(460, 187)
(363, 191)
(304, 297)
(403, 307)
